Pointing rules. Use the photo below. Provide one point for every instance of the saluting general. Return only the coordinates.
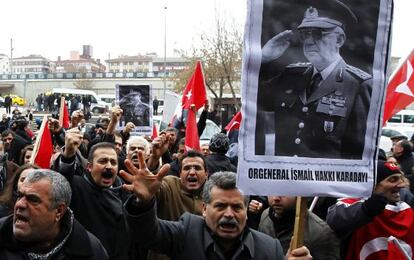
(320, 107)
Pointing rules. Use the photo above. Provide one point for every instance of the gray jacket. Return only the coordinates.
(189, 238)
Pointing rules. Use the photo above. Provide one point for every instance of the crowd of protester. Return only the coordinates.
(112, 195)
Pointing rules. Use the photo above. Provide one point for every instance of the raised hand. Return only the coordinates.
(129, 127)
(275, 47)
(143, 183)
(54, 125)
(76, 117)
(73, 139)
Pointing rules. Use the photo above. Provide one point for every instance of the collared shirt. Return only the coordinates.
(328, 70)
(214, 251)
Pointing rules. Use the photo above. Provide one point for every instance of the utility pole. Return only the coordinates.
(165, 49)
(11, 56)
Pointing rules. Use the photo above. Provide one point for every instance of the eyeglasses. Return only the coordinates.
(316, 34)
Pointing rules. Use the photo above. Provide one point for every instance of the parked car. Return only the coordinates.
(16, 100)
(210, 130)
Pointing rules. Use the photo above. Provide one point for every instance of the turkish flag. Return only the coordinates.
(191, 133)
(194, 94)
(400, 90)
(234, 122)
(43, 149)
(395, 250)
(195, 90)
(64, 114)
(371, 241)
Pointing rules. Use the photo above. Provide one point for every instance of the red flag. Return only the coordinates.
(400, 90)
(64, 114)
(43, 149)
(191, 133)
(395, 250)
(154, 131)
(234, 122)
(371, 241)
(195, 90)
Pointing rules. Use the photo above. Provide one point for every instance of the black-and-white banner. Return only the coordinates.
(313, 86)
(134, 100)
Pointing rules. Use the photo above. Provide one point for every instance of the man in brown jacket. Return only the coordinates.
(179, 195)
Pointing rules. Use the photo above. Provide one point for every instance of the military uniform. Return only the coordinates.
(331, 123)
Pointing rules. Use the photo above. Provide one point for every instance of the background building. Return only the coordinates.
(4, 64)
(32, 64)
(149, 63)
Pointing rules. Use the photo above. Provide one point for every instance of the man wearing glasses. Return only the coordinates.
(320, 106)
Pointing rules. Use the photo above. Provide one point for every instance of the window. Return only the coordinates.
(395, 119)
(408, 119)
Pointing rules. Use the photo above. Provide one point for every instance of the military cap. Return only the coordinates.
(327, 14)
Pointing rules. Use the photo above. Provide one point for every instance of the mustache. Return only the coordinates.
(228, 221)
(107, 173)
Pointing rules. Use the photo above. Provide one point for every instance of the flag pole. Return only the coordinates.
(299, 229)
(61, 111)
(38, 138)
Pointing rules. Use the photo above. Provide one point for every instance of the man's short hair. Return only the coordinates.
(181, 141)
(7, 132)
(141, 140)
(61, 191)
(192, 154)
(406, 145)
(171, 129)
(99, 146)
(222, 180)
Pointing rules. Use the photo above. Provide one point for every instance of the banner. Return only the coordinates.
(135, 102)
(313, 82)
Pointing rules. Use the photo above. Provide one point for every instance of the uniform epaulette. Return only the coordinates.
(358, 72)
(299, 65)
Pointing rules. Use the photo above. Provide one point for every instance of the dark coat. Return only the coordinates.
(189, 238)
(81, 245)
(219, 162)
(16, 147)
(331, 123)
(99, 210)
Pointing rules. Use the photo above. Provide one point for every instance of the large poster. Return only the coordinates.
(135, 103)
(313, 84)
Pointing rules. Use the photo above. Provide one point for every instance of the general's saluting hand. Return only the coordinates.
(275, 47)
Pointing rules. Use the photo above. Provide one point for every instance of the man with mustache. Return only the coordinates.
(97, 197)
(43, 226)
(220, 234)
(279, 219)
(320, 107)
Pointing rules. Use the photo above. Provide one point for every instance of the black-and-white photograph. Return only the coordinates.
(134, 101)
(315, 80)
(313, 84)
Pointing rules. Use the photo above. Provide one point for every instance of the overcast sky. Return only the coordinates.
(55, 27)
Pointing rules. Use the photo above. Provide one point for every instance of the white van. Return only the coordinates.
(108, 99)
(403, 118)
(97, 105)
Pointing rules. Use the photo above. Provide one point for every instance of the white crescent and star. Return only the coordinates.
(403, 88)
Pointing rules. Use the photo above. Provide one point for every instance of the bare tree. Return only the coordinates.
(84, 83)
(221, 56)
